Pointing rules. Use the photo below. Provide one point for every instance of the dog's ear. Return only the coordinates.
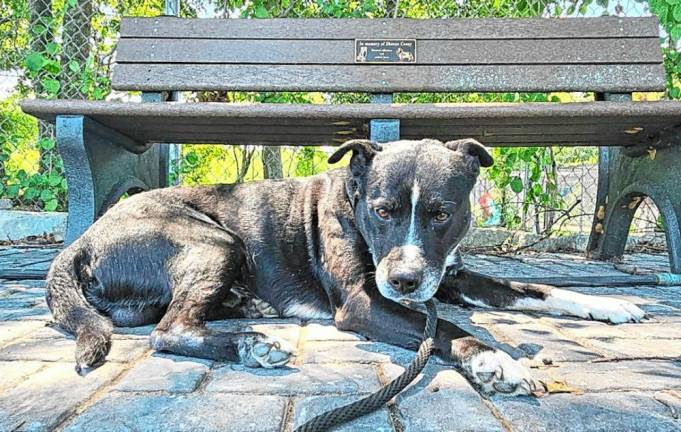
(472, 148)
(362, 152)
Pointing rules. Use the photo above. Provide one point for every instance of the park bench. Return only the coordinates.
(110, 148)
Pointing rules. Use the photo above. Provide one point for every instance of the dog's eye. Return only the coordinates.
(441, 216)
(383, 213)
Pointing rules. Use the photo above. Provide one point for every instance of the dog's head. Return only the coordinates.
(411, 205)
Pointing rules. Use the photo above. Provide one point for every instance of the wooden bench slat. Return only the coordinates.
(445, 52)
(329, 140)
(592, 27)
(616, 78)
(464, 127)
(213, 111)
(596, 123)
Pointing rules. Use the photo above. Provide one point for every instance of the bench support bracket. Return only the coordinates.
(383, 130)
(101, 165)
(626, 181)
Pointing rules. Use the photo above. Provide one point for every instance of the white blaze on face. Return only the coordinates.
(412, 237)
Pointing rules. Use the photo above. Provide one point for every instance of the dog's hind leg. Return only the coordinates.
(201, 279)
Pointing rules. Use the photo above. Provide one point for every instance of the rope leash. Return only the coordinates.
(376, 400)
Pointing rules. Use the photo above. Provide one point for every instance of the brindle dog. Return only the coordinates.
(354, 244)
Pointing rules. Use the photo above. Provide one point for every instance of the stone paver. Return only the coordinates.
(625, 378)
(327, 331)
(641, 348)
(541, 342)
(49, 396)
(355, 352)
(306, 379)
(11, 330)
(615, 376)
(441, 400)
(62, 349)
(309, 407)
(182, 412)
(13, 373)
(168, 373)
(597, 412)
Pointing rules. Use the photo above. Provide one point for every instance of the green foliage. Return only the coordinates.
(669, 13)
(31, 173)
(20, 178)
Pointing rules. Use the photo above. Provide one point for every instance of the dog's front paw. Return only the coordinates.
(256, 350)
(598, 308)
(495, 371)
(613, 310)
(492, 370)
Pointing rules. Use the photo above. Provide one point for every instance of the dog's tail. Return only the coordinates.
(66, 281)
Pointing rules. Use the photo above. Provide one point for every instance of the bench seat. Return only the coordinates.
(588, 123)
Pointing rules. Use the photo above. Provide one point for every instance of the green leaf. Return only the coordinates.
(74, 66)
(34, 61)
(52, 66)
(46, 143)
(30, 193)
(52, 48)
(192, 158)
(51, 205)
(675, 92)
(50, 85)
(12, 191)
(516, 185)
(676, 12)
(46, 195)
(54, 179)
(261, 12)
(675, 32)
(38, 29)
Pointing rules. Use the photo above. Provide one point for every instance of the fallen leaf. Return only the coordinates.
(557, 386)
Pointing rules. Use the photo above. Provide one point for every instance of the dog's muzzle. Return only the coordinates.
(403, 275)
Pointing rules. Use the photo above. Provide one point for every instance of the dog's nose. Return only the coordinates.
(404, 280)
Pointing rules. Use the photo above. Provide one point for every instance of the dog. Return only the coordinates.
(357, 245)
(404, 56)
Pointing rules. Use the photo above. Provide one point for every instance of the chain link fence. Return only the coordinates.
(65, 49)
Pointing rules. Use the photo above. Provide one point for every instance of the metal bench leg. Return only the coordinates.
(101, 165)
(632, 175)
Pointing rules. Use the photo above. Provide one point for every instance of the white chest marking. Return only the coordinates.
(474, 302)
(305, 311)
(453, 258)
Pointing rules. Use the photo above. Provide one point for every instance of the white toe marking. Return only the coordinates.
(503, 370)
(564, 302)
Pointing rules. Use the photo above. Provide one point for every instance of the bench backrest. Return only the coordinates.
(604, 54)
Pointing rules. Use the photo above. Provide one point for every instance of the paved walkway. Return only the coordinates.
(616, 378)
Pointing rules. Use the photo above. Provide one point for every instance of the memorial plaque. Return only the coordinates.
(385, 51)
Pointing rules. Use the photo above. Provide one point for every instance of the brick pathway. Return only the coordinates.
(623, 378)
